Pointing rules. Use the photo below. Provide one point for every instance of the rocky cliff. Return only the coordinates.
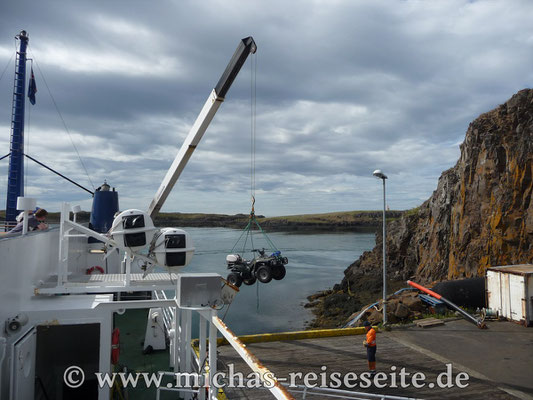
(480, 215)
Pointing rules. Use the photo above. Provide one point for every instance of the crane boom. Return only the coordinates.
(246, 46)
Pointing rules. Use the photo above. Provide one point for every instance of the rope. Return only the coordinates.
(61, 117)
(270, 242)
(257, 296)
(7, 66)
(27, 146)
(245, 241)
(248, 232)
(240, 237)
(1, 76)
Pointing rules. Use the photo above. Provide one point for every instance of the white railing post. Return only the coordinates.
(202, 354)
(62, 273)
(25, 222)
(179, 340)
(185, 363)
(128, 268)
(212, 356)
(173, 338)
(182, 343)
(188, 349)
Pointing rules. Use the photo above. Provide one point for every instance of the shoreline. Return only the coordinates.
(345, 221)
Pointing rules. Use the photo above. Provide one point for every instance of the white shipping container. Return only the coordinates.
(510, 292)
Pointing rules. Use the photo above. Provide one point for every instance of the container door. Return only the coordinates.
(505, 295)
(494, 300)
(517, 298)
(24, 367)
(529, 298)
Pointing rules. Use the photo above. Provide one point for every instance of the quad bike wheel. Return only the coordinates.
(235, 279)
(278, 272)
(249, 281)
(264, 274)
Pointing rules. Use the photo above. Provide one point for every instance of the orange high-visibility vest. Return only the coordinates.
(371, 337)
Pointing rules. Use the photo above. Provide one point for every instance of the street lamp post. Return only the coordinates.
(380, 175)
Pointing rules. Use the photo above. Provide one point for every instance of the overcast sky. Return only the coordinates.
(342, 88)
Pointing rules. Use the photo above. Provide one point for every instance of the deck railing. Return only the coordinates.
(200, 361)
(6, 226)
(201, 364)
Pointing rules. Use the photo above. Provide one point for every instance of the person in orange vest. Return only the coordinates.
(370, 344)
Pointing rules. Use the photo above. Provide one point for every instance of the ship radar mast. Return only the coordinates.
(15, 182)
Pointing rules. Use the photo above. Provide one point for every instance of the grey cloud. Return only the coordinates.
(342, 88)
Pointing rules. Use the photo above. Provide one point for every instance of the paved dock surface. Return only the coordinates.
(498, 361)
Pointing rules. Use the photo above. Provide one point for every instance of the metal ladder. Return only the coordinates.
(17, 134)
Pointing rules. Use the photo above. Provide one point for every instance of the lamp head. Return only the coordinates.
(379, 174)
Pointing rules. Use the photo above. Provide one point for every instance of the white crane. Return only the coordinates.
(246, 46)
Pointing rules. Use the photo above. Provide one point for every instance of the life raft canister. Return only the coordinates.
(93, 269)
(115, 346)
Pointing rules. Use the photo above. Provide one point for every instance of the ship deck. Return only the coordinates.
(497, 360)
(105, 283)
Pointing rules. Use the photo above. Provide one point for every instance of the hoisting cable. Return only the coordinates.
(252, 221)
(263, 267)
(253, 90)
(253, 114)
(252, 217)
(256, 296)
(61, 117)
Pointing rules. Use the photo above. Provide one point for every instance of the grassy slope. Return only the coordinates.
(335, 217)
(332, 220)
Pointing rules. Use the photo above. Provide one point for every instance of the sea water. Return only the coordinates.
(316, 262)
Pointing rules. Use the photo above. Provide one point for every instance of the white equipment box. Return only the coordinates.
(199, 290)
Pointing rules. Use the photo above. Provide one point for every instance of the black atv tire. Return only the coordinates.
(264, 274)
(235, 279)
(249, 281)
(278, 272)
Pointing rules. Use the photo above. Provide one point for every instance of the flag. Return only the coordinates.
(32, 88)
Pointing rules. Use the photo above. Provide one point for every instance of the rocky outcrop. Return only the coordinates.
(480, 215)
(402, 307)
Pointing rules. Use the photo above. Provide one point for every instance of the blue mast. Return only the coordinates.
(15, 183)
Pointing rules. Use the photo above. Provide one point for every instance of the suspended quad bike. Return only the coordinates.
(262, 267)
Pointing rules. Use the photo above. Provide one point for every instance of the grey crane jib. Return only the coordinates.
(246, 46)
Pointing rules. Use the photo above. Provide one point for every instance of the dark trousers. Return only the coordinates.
(371, 353)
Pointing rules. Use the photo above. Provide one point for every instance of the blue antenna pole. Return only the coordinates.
(15, 183)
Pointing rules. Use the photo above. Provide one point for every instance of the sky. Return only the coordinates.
(340, 88)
